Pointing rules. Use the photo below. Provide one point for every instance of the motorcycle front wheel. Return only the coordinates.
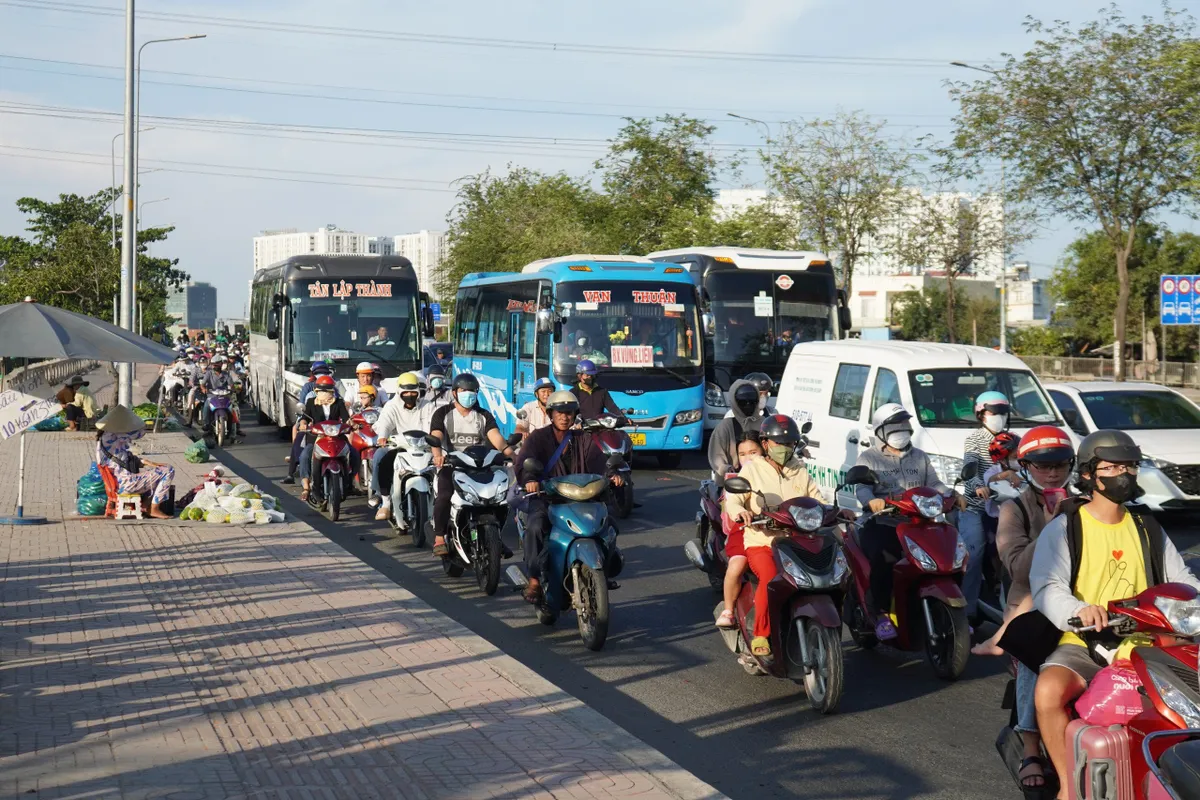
(486, 560)
(416, 521)
(220, 425)
(333, 495)
(824, 684)
(948, 649)
(592, 610)
(625, 499)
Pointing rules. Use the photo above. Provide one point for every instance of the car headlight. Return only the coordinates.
(946, 467)
(688, 417)
(714, 395)
(1149, 462)
(960, 553)
(1184, 615)
(923, 559)
(928, 507)
(796, 572)
(807, 519)
(1176, 700)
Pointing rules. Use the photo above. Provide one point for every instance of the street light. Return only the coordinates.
(1003, 230)
(148, 202)
(113, 148)
(766, 128)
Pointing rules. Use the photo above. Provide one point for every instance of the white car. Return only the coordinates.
(1164, 423)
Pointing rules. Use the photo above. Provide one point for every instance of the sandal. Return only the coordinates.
(760, 646)
(1039, 777)
(533, 593)
(441, 550)
(726, 620)
(304, 496)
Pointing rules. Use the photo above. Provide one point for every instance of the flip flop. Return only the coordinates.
(441, 550)
(760, 646)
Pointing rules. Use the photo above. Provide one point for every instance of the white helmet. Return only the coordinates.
(363, 366)
(889, 414)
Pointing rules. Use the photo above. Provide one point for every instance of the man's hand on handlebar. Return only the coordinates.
(1093, 617)
(877, 505)
(982, 493)
(532, 487)
(439, 458)
(617, 480)
(744, 516)
(960, 501)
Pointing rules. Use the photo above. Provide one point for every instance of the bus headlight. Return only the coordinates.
(714, 395)
(688, 417)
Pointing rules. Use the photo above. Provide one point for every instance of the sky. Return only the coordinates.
(242, 140)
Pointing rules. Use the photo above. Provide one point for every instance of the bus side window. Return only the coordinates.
(466, 311)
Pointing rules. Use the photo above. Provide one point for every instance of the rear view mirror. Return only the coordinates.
(522, 414)
(273, 324)
(514, 440)
(969, 471)
(545, 320)
(710, 323)
(737, 485)
(806, 427)
(844, 320)
(532, 469)
(557, 332)
(861, 476)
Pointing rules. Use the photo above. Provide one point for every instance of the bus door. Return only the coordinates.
(522, 327)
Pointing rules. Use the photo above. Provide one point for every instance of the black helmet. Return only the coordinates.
(1108, 445)
(762, 381)
(780, 429)
(435, 369)
(465, 380)
(745, 398)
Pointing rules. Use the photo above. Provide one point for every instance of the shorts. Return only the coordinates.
(1075, 658)
(735, 543)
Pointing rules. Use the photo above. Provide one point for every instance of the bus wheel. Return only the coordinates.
(670, 460)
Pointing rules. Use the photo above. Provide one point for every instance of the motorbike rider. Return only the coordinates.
(322, 406)
(459, 426)
(315, 371)
(377, 382)
(537, 415)
(899, 466)
(365, 373)
(561, 451)
(198, 373)
(766, 387)
(780, 476)
(217, 377)
(364, 399)
(1095, 551)
(404, 412)
(749, 448)
(743, 397)
(992, 409)
(594, 399)
(439, 393)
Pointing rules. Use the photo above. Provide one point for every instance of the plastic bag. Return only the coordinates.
(1112, 697)
(91, 506)
(241, 489)
(232, 503)
(56, 423)
(91, 498)
(197, 453)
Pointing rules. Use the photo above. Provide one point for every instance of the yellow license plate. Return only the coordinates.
(638, 439)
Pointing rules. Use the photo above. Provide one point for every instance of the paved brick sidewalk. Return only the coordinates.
(185, 660)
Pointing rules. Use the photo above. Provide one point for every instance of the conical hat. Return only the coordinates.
(121, 420)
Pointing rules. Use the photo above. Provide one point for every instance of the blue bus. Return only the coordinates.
(639, 321)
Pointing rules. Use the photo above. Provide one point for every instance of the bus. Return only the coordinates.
(638, 321)
(339, 309)
(762, 302)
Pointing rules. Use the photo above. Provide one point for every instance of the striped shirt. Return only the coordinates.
(976, 452)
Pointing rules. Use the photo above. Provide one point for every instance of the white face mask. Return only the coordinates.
(899, 440)
(995, 422)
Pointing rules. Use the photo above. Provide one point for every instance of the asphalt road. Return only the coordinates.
(665, 675)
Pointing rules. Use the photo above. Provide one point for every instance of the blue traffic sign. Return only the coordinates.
(1178, 298)
(437, 311)
(1168, 296)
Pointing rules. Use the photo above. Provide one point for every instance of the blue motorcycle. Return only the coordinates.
(583, 557)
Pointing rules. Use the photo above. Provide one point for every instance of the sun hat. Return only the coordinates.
(76, 380)
(121, 420)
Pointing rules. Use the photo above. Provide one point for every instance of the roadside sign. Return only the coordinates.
(1184, 304)
(437, 311)
(19, 411)
(1178, 296)
(1167, 294)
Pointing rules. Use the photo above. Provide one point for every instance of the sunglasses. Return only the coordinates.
(998, 408)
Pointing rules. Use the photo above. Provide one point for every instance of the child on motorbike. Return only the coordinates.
(749, 448)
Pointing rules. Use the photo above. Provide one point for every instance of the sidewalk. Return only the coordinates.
(186, 660)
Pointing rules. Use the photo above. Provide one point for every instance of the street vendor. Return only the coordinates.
(77, 402)
(117, 430)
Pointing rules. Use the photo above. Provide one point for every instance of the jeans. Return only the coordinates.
(1026, 710)
(882, 548)
(441, 505)
(970, 528)
(383, 465)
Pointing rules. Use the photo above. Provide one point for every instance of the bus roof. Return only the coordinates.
(585, 268)
(342, 266)
(749, 257)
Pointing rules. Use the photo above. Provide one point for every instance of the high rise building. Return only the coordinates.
(426, 250)
(277, 245)
(193, 306)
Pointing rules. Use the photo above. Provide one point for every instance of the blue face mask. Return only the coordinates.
(437, 383)
(467, 398)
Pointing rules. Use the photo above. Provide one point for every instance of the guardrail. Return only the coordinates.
(53, 372)
(1171, 373)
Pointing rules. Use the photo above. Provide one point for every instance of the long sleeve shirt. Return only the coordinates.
(395, 418)
(581, 454)
(777, 486)
(897, 473)
(976, 452)
(1015, 541)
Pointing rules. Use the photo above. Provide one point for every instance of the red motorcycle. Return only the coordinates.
(614, 441)
(927, 597)
(806, 630)
(364, 440)
(331, 452)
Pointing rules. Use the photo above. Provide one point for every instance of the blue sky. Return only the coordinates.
(441, 93)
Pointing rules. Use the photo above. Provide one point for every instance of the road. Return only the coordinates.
(665, 676)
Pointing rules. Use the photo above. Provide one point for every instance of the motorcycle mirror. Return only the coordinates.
(969, 471)
(522, 414)
(806, 427)
(514, 440)
(737, 485)
(532, 468)
(433, 441)
(861, 475)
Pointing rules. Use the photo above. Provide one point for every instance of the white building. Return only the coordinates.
(274, 246)
(873, 297)
(426, 250)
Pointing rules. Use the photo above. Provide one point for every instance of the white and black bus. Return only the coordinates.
(340, 309)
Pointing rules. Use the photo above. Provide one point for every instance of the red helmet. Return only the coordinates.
(1003, 446)
(325, 382)
(1046, 444)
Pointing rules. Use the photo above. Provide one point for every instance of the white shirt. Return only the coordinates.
(536, 416)
(395, 418)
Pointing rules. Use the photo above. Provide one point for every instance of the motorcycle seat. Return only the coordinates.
(1180, 766)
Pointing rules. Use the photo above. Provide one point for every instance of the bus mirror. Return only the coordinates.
(710, 323)
(557, 331)
(273, 324)
(545, 320)
(844, 321)
(427, 315)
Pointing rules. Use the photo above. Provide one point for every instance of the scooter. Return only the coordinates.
(220, 415)
(805, 594)
(412, 479)
(478, 511)
(1173, 775)
(614, 441)
(331, 451)
(174, 386)
(583, 558)
(363, 440)
(927, 598)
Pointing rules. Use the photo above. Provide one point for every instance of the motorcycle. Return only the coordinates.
(332, 452)
(478, 511)
(363, 440)
(927, 597)
(1105, 766)
(412, 480)
(583, 558)
(175, 388)
(220, 415)
(812, 574)
(614, 441)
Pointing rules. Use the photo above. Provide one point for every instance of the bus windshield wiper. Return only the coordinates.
(676, 375)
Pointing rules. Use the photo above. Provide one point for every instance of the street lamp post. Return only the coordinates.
(766, 128)
(143, 205)
(113, 205)
(1003, 232)
(128, 246)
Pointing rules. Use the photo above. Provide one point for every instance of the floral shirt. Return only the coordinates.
(117, 445)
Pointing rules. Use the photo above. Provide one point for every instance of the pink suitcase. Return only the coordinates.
(1099, 762)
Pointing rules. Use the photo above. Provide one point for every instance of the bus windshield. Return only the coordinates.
(629, 327)
(350, 322)
(758, 320)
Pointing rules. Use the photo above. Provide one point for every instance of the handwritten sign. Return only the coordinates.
(342, 289)
(20, 411)
(597, 296)
(658, 298)
(632, 355)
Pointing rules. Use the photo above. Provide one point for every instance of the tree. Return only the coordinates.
(1039, 340)
(654, 170)
(841, 179)
(922, 316)
(758, 225)
(1098, 124)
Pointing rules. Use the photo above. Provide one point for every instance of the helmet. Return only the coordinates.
(1045, 444)
(1108, 445)
(762, 381)
(436, 369)
(219, 359)
(376, 369)
(780, 429)
(363, 366)
(563, 401)
(745, 398)
(467, 381)
(408, 382)
(1003, 446)
(888, 414)
(325, 382)
(543, 383)
(994, 402)
(320, 368)
(586, 367)
(367, 389)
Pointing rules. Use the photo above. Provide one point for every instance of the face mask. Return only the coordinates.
(899, 440)
(437, 383)
(1052, 498)
(746, 458)
(586, 380)
(762, 402)
(995, 422)
(467, 399)
(1120, 488)
(409, 400)
(779, 453)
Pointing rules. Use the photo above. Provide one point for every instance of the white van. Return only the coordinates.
(838, 385)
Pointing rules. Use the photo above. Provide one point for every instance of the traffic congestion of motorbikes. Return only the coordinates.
(1100, 612)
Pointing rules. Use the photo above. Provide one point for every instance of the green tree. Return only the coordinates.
(1097, 123)
(922, 317)
(755, 226)
(1039, 340)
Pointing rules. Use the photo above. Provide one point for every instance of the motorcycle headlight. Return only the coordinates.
(1176, 700)
(468, 492)
(807, 519)
(795, 571)
(960, 553)
(923, 559)
(946, 467)
(688, 417)
(840, 567)
(928, 507)
(414, 442)
(1184, 615)
(714, 396)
